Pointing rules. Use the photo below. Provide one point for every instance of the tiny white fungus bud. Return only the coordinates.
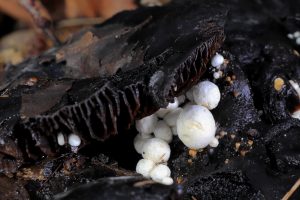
(173, 105)
(167, 181)
(163, 131)
(298, 41)
(144, 167)
(139, 141)
(60, 139)
(147, 124)
(290, 36)
(214, 142)
(217, 60)
(74, 140)
(296, 34)
(159, 172)
(171, 117)
(296, 114)
(157, 150)
(196, 127)
(207, 94)
(216, 75)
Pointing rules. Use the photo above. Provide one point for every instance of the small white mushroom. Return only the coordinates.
(74, 140)
(207, 94)
(171, 106)
(167, 181)
(290, 36)
(298, 41)
(60, 139)
(163, 131)
(157, 150)
(146, 125)
(171, 117)
(139, 141)
(217, 75)
(296, 114)
(296, 34)
(160, 172)
(196, 127)
(217, 60)
(214, 142)
(144, 167)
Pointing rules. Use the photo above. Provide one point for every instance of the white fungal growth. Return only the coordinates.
(160, 172)
(157, 150)
(296, 114)
(207, 94)
(60, 139)
(214, 142)
(144, 167)
(171, 106)
(139, 141)
(74, 140)
(163, 131)
(296, 87)
(171, 117)
(217, 60)
(298, 41)
(196, 127)
(146, 125)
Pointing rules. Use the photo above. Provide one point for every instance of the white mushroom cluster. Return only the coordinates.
(295, 36)
(189, 117)
(73, 140)
(217, 62)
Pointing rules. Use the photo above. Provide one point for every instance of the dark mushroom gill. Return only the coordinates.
(107, 76)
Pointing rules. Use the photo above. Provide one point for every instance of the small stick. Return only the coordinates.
(42, 22)
(292, 190)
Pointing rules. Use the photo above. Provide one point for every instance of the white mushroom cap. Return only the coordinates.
(144, 167)
(167, 181)
(171, 117)
(139, 141)
(196, 127)
(296, 114)
(146, 125)
(217, 60)
(207, 94)
(60, 139)
(171, 106)
(159, 172)
(214, 142)
(163, 131)
(74, 140)
(157, 150)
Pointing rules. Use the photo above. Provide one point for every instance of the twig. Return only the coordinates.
(292, 190)
(42, 22)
